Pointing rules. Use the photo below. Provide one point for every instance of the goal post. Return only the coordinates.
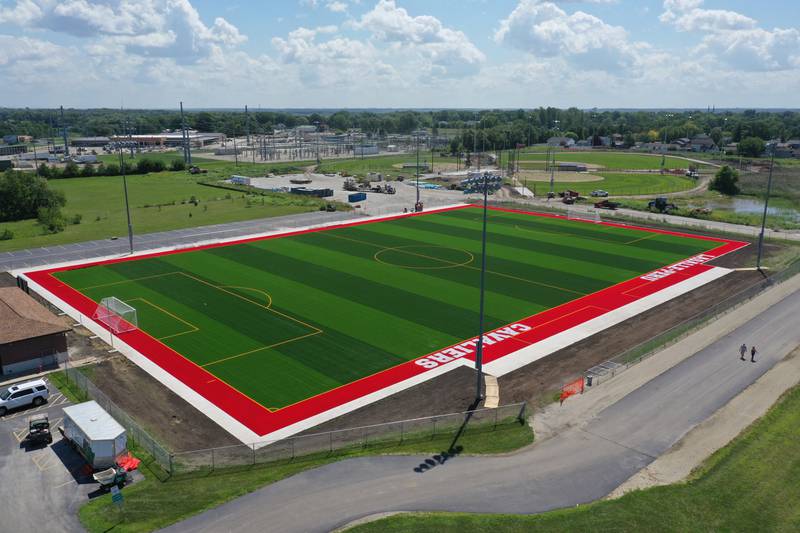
(116, 315)
(590, 215)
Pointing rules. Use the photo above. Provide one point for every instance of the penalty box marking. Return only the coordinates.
(223, 288)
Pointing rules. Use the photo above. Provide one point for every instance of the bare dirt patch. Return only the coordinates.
(167, 417)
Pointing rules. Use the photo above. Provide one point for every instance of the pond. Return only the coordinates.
(755, 206)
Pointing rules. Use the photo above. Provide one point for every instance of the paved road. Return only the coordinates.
(181, 237)
(578, 466)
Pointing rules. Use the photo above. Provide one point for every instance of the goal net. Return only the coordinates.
(116, 315)
(591, 215)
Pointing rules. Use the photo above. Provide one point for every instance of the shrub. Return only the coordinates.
(76, 219)
(725, 181)
(177, 164)
(51, 219)
(6, 235)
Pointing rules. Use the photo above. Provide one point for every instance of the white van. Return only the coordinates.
(29, 393)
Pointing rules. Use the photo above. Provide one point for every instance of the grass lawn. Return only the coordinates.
(284, 319)
(159, 201)
(385, 164)
(164, 157)
(749, 485)
(618, 184)
(610, 160)
(152, 504)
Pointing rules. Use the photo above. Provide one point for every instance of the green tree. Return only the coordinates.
(725, 181)
(71, 170)
(751, 147)
(51, 219)
(23, 194)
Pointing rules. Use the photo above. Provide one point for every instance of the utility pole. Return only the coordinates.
(417, 203)
(766, 205)
(247, 124)
(187, 149)
(64, 129)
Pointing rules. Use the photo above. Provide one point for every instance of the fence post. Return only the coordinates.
(170, 465)
(292, 449)
(254, 454)
(402, 424)
(213, 463)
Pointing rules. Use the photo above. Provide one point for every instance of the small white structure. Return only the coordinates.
(98, 437)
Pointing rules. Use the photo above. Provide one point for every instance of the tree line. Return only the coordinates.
(498, 127)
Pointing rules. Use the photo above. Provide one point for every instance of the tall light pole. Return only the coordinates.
(127, 204)
(417, 203)
(486, 184)
(766, 205)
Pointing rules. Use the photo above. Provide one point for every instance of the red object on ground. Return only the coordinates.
(128, 462)
(571, 389)
(497, 343)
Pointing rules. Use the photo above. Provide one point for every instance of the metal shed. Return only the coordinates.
(96, 435)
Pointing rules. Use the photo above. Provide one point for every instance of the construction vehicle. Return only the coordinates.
(569, 194)
(197, 170)
(350, 185)
(662, 205)
(606, 204)
(38, 431)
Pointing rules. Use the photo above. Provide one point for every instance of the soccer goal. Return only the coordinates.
(116, 315)
(591, 215)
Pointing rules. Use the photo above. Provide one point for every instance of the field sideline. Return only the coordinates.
(277, 330)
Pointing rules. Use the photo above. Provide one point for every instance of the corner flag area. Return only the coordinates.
(272, 335)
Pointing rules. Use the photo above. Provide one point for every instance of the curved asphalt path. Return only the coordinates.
(577, 466)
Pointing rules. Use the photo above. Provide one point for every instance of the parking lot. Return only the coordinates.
(42, 486)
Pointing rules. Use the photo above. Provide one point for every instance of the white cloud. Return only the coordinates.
(336, 7)
(545, 30)
(158, 28)
(337, 61)
(753, 50)
(687, 15)
(446, 52)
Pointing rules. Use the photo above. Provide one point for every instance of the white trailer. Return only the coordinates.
(95, 434)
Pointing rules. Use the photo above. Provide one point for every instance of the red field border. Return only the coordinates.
(497, 343)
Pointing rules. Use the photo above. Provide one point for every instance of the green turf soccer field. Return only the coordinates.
(284, 319)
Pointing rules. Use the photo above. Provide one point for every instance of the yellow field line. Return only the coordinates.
(642, 238)
(176, 317)
(454, 264)
(129, 281)
(265, 293)
(252, 302)
(287, 341)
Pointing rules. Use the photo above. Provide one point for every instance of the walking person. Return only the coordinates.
(753, 353)
(743, 350)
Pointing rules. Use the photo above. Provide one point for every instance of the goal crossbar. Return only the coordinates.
(591, 215)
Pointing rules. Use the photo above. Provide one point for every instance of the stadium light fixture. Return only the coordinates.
(485, 184)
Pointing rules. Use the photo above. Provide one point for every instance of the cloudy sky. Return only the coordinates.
(400, 53)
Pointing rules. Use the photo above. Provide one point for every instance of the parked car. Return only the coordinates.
(23, 394)
(599, 193)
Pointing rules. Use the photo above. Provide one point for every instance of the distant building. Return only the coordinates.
(13, 149)
(365, 149)
(702, 143)
(86, 142)
(561, 141)
(196, 139)
(571, 167)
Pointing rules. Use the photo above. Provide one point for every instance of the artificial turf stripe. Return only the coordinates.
(360, 261)
(666, 248)
(521, 287)
(588, 251)
(321, 309)
(499, 267)
(524, 258)
(425, 312)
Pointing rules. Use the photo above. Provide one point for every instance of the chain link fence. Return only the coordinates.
(638, 353)
(365, 437)
(139, 436)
